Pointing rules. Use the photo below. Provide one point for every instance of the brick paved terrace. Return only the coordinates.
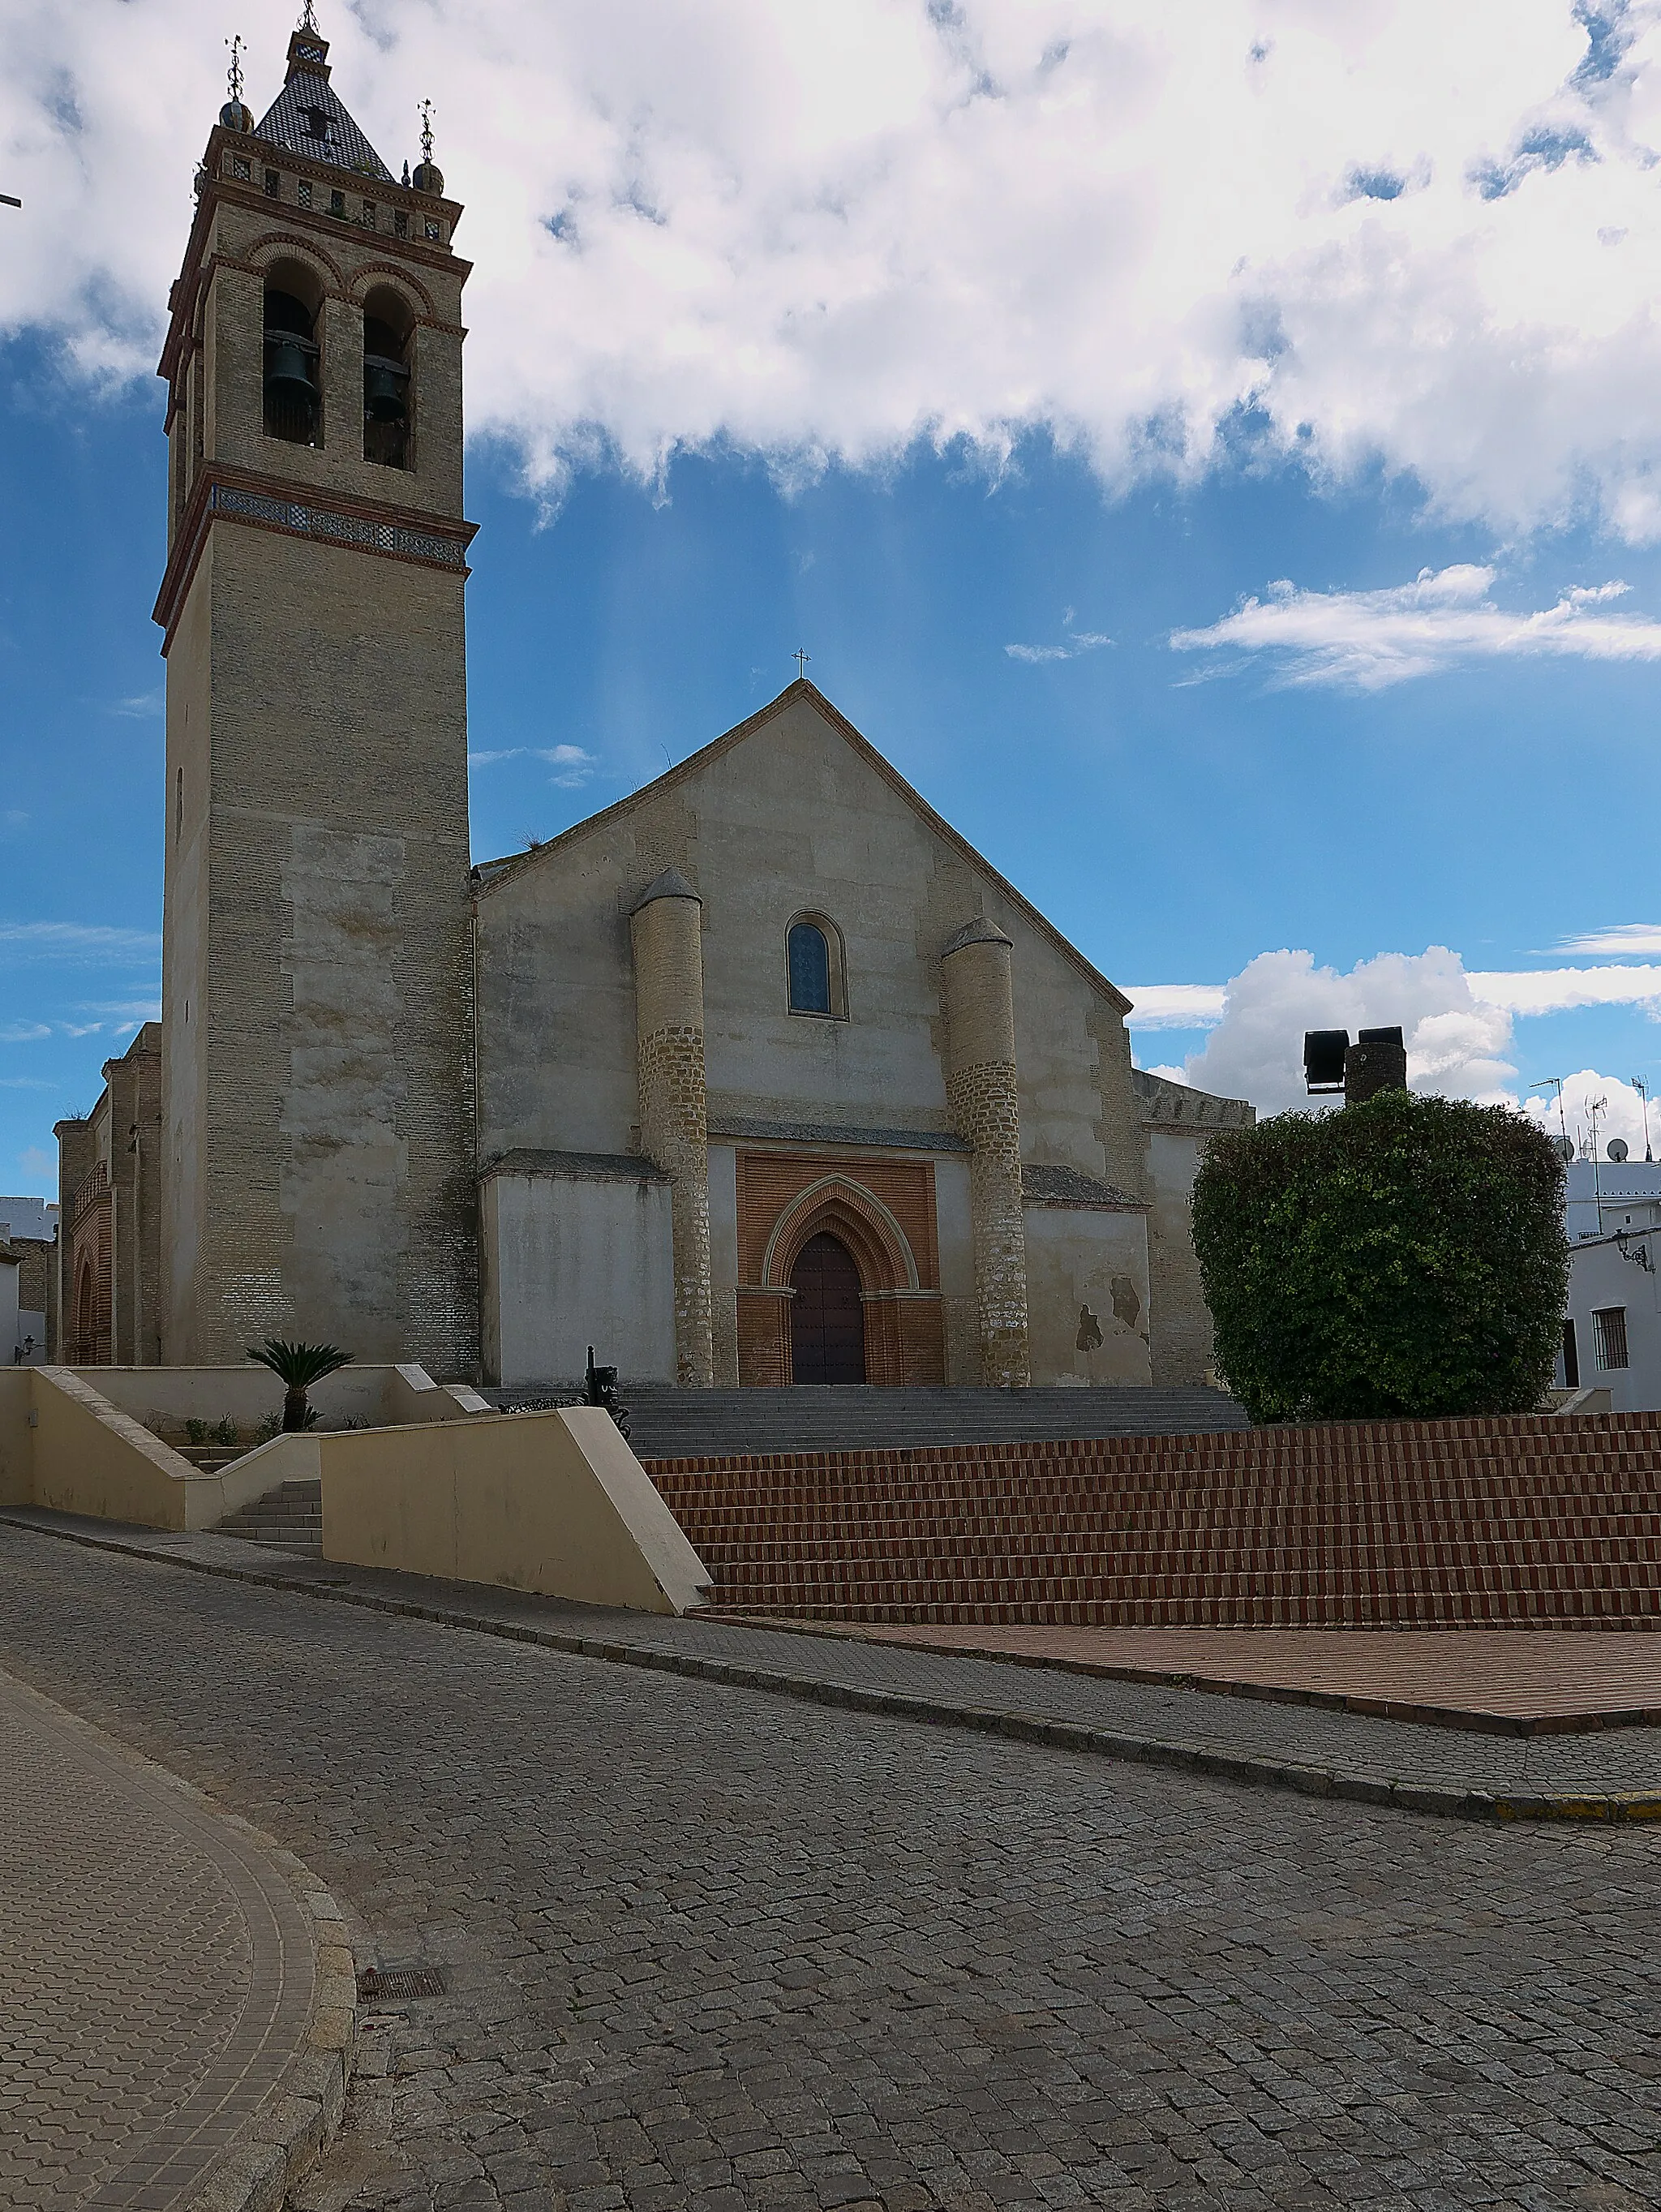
(704, 1946)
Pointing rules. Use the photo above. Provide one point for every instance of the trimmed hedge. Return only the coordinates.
(1403, 1257)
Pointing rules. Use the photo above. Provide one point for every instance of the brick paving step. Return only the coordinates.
(1519, 1519)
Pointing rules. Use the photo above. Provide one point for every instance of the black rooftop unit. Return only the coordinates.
(1323, 1053)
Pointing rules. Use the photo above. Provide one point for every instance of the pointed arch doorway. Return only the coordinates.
(827, 1314)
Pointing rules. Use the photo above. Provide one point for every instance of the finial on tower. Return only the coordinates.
(234, 115)
(308, 17)
(428, 177)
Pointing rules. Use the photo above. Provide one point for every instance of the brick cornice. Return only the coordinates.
(246, 496)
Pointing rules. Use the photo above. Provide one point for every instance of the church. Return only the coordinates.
(762, 1076)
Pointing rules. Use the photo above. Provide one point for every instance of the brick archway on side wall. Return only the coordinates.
(783, 1202)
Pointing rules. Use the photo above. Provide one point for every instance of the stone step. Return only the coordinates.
(673, 1424)
(288, 1519)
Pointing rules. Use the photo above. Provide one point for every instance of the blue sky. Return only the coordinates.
(1334, 760)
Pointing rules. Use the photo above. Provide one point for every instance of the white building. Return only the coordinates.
(1612, 1330)
(28, 1231)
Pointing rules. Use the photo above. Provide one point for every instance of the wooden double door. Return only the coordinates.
(828, 1316)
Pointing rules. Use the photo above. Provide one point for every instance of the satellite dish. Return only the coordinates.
(1617, 1149)
(1565, 1147)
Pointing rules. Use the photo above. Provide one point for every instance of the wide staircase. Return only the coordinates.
(1531, 1520)
(672, 1424)
(289, 1519)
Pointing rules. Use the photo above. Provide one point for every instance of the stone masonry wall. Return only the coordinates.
(317, 972)
(983, 1096)
(673, 1119)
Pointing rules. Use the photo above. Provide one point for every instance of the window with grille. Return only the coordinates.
(1609, 1326)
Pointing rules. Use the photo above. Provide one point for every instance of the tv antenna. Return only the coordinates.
(1643, 1091)
(1594, 1108)
(1555, 1083)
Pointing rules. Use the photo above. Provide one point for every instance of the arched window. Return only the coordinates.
(814, 966)
(293, 386)
(388, 328)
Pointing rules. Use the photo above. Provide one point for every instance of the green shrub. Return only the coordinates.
(225, 1432)
(297, 1366)
(1406, 1256)
(196, 1433)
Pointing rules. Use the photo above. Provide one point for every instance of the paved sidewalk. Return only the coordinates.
(157, 1973)
(697, 1949)
(1614, 1774)
(1524, 1682)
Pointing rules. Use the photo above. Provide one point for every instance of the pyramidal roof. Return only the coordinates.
(308, 116)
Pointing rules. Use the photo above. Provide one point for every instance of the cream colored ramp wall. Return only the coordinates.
(16, 1437)
(249, 1394)
(88, 1457)
(554, 1503)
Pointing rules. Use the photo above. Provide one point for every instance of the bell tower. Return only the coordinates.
(317, 998)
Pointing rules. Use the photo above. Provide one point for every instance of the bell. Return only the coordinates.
(288, 372)
(383, 388)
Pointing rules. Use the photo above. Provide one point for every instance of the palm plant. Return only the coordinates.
(297, 1366)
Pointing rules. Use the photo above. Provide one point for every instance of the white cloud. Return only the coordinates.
(574, 765)
(1395, 232)
(39, 1163)
(1078, 641)
(1456, 1043)
(1365, 641)
(1176, 1005)
(1626, 937)
(24, 1032)
(1556, 990)
(91, 943)
(1456, 1022)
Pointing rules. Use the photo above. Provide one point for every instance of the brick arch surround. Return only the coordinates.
(883, 1213)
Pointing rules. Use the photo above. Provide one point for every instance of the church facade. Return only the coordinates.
(760, 1076)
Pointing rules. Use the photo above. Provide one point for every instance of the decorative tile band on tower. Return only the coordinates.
(981, 1091)
(667, 928)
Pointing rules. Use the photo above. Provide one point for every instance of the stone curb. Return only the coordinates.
(1310, 1781)
(1457, 1717)
(301, 2114)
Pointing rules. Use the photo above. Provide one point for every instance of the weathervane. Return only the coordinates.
(308, 20)
(801, 657)
(427, 130)
(233, 75)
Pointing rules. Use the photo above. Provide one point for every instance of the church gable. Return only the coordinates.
(802, 724)
(791, 828)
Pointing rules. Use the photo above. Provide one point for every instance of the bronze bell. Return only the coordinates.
(287, 370)
(384, 383)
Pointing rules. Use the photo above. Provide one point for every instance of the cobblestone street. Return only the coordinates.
(705, 1946)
